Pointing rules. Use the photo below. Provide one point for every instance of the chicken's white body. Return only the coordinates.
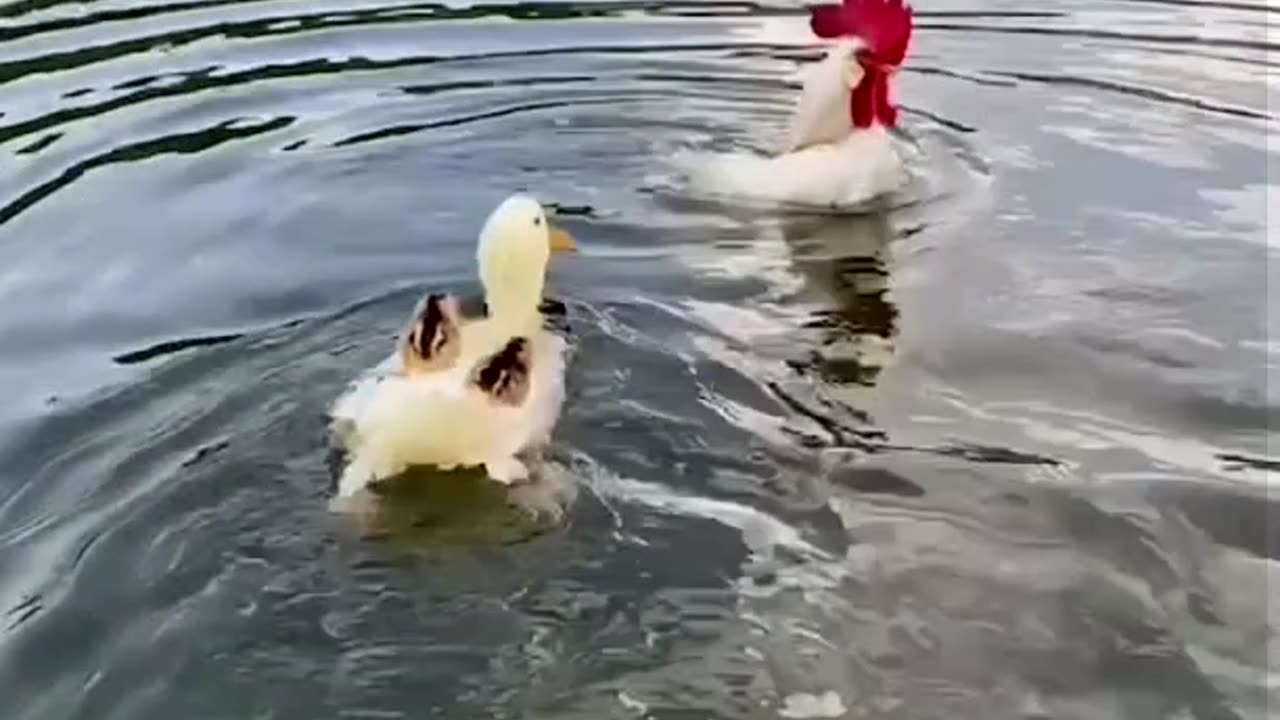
(390, 418)
(830, 176)
(825, 162)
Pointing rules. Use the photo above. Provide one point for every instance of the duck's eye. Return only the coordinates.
(537, 222)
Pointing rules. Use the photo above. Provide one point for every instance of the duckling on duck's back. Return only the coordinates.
(466, 391)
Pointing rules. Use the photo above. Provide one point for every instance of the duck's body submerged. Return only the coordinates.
(462, 392)
(389, 421)
(838, 152)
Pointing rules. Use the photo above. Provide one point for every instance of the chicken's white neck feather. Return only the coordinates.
(822, 111)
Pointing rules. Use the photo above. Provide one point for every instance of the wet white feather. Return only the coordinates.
(824, 161)
(387, 422)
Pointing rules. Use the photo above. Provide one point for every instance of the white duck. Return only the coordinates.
(838, 152)
(465, 391)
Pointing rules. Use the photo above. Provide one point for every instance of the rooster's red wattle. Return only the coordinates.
(884, 27)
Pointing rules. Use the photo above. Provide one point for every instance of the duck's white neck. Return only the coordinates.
(515, 310)
(513, 292)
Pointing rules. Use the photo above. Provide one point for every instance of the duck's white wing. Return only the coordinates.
(550, 357)
(389, 423)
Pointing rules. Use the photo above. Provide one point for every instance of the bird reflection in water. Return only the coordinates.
(843, 259)
(845, 263)
(463, 506)
(850, 323)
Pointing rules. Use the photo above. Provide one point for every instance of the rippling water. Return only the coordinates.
(1000, 452)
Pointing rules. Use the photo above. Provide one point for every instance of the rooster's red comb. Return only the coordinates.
(883, 25)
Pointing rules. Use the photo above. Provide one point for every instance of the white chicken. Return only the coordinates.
(838, 152)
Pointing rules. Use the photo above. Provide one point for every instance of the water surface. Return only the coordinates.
(1003, 451)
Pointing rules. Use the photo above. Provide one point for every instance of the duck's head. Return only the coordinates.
(515, 246)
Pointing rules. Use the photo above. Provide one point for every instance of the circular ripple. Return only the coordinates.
(793, 466)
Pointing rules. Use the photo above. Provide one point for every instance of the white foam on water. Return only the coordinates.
(804, 705)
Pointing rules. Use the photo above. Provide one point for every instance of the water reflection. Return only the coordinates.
(163, 523)
(844, 261)
(426, 507)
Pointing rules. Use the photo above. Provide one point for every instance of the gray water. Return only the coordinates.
(1001, 451)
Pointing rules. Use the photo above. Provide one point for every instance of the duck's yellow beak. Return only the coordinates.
(560, 240)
